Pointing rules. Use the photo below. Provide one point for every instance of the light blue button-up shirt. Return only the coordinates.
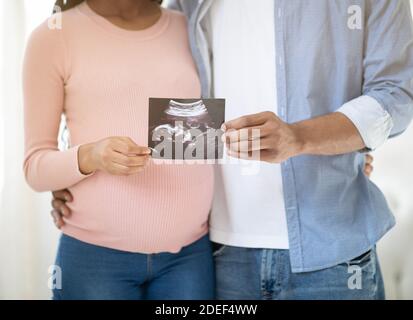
(330, 52)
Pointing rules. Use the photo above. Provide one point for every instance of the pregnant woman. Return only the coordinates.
(138, 230)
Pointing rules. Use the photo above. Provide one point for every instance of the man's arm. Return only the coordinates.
(331, 134)
(388, 62)
(384, 110)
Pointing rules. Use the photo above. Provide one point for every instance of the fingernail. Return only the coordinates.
(224, 127)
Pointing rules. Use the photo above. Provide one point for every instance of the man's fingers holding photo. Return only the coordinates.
(275, 140)
(248, 121)
(244, 134)
(262, 155)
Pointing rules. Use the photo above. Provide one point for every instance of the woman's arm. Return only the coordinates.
(45, 71)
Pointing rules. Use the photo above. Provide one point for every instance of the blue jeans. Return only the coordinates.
(91, 272)
(262, 274)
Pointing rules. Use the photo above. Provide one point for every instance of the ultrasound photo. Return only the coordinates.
(186, 129)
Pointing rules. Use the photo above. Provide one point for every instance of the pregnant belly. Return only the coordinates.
(169, 202)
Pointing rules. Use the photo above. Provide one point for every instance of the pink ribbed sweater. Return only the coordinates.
(101, 76)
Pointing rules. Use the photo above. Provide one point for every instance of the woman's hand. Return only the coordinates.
(368, 166)
(116, 155)
(60, 206)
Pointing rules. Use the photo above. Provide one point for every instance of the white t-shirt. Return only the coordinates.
(248, 208)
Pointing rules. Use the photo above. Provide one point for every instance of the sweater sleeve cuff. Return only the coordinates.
(372, 121)
(73, 164)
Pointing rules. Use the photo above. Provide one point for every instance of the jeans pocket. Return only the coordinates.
(218, 249)
(362, 260)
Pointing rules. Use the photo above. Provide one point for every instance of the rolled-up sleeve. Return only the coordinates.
(388, 73)
(372, 121)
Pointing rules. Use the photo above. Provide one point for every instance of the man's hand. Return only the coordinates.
(261, 136)
(266, 137)
(60, 209)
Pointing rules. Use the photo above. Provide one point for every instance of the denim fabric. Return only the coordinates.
(265, 274)
(325, 58)
(90, 272)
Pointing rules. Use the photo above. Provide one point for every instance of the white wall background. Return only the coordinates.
(28, 238)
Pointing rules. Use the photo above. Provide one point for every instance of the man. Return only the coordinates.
(321, 82)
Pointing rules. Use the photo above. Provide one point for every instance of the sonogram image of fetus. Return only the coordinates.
(186, 129)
